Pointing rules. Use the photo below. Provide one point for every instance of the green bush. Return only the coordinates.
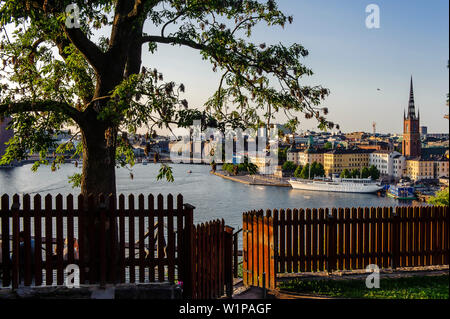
(298, 171)
(441, 198)
(289, 166)
(355, 173)
(374, 172)
(246, 167)
(346, 174)
(365, 173)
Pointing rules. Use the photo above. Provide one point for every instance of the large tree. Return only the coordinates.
(54, 74)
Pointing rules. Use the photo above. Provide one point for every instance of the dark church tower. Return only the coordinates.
(411, 135)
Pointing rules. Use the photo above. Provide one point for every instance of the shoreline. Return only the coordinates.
(246, 180)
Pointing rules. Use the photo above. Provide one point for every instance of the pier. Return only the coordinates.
(256, 180)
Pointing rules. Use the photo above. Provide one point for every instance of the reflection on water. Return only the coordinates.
(212, 196)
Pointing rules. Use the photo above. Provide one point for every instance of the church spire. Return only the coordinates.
(411, 106)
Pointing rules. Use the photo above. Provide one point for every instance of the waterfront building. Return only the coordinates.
(293, 155)
(398, 166)
(432, 164)
(310, 156)
(411, 146)
(265, 164)
(338, 160)
(385, 161)
(427, 169)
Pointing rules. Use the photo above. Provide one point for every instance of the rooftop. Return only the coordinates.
(350, 151)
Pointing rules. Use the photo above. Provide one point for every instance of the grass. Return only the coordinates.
(241, 271)
(424, 287)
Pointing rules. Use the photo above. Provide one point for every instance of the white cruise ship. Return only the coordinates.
(341, 185)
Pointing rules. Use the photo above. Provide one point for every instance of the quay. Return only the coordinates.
(255, 180)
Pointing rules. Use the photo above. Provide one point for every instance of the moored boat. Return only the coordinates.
(339, 185)
(401, 192)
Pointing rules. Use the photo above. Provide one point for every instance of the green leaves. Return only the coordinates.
(124, 153)
(289, 166)
(441, 198)
(75, 180)
(165, 172)
(317, 170)
(298, 172)
(245, 167)
(374, 172)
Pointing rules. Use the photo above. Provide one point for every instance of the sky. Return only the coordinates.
(349, 59)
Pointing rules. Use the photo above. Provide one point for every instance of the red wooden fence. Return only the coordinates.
(346, 239)
(212, 260)
(259, 259)
(127, 244)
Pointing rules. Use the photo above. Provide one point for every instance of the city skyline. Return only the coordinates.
(366, 70)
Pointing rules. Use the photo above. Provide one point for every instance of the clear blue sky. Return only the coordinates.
(351, 60)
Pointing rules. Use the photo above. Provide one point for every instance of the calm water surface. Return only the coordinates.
(212, 196)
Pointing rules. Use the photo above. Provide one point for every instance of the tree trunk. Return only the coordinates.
(99, 152)
(98, 178)
(99, 141)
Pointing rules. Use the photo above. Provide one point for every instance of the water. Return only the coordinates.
(212, 196)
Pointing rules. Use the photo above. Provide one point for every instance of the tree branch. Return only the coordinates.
(173, 40)
(41, 106)
(137, 9)
(62, 43)
(88, 49)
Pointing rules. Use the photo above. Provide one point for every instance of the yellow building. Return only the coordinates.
(419, 168)
(338, 160)
(266, 165)
(310, 156)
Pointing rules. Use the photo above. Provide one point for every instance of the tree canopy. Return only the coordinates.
(374, 172)
(289, 166)
(440, 199)
(317, 170)
(56, 75)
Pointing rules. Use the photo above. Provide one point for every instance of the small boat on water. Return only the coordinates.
(339, 185)
(402, 192)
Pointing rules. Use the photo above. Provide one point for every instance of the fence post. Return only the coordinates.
(395, 240)
(264, 285)
(16, 263)
(228, 267)
(235, 254)
(102, 242)
(188, 253)
(5, 261)
(331, 242)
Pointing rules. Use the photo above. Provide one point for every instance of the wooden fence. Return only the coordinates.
(344, 239)
(127, 243)
(212, 260)
(259, 259)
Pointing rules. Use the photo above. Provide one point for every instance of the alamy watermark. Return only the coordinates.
(73, 276)
(212, 145)
(373, 280)
(373, 19)
(73, 16)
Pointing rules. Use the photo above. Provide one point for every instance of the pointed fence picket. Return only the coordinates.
(312, 240)
(113, 240)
